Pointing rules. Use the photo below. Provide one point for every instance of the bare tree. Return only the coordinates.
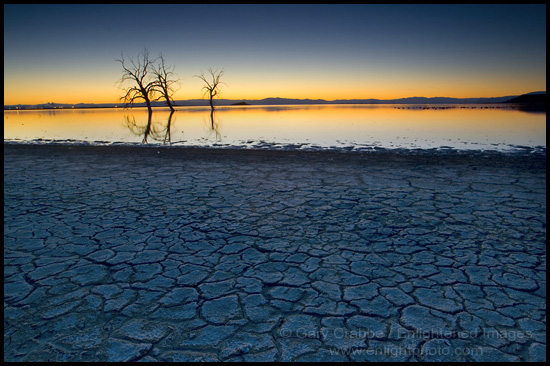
(213, 87)
(137, 73)
(166, 82)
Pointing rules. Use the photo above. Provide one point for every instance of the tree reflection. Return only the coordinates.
(157, 130)
(214, 126)
(168, 133)
(152, 129)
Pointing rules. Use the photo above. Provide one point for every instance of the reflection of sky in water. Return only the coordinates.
(358, 126)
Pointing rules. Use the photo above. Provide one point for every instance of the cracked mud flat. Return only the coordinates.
(123, 254)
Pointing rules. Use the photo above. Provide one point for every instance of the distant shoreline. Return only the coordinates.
(514, 106)
(525, 99)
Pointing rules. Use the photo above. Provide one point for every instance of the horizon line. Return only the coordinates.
(283, 98)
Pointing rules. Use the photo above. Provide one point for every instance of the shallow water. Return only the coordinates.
(348, 127)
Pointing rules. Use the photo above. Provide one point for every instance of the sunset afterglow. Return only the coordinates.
(67, 53)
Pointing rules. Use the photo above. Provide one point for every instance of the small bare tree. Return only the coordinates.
(166, 83)
(137, 73)
(213, 87)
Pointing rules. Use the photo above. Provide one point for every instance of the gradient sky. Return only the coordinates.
(67, 53)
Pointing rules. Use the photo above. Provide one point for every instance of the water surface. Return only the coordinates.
(350, 127)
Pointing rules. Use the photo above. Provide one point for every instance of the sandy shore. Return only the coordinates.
(122, 254)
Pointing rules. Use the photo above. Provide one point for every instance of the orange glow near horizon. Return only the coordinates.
(242, 86)
(287, 51)
(328, 83)
(383, 93)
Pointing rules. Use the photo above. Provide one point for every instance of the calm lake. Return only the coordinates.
(349, 127)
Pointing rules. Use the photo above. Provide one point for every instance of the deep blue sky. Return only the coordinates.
(66, 53)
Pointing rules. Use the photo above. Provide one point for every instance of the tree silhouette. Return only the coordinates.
(213, 87)
(165, 83)
(137, 73)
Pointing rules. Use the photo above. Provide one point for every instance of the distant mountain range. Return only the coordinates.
(530, 98)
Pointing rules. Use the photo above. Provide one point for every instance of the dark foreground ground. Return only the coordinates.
(126, 254)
